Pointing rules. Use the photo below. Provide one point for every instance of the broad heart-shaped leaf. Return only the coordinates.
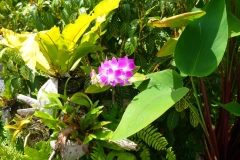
(180, 20)
(168, 48)
(233, 25)
(167, 77)
(72, 32)
(201, 46)
(145, 108)
(232, 107)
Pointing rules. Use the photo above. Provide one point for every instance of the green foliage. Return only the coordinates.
(9, 150)
(16, 72)
(170, 154)
(208, 45)
(153, 138)
(172, 119)
(137, 117)
(121, 155)
(42, 151)
(98, 152)
(145, 154)
(79, 37)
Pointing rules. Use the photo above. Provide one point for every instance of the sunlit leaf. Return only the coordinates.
(15, 133)
(12, 39)
(96, 89)
(10, 127)
(168, 48)
(233, 25)
(35, 154)
(137, 77)
(43, 115)
(180, 20)
(146, 107)
(27, 47)
(72, 32)
(81, 99)
(167, 77)
(23, 122)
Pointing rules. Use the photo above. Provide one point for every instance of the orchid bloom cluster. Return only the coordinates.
(113, 72)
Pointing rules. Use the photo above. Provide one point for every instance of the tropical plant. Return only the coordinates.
(163, 72)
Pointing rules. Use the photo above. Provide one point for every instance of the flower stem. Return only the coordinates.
(198, 103)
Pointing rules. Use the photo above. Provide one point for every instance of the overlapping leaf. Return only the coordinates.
(202, 44)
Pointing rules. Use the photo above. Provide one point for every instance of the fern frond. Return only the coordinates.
(170, 154)
(98, 153)
(153, 138)
(145, 154)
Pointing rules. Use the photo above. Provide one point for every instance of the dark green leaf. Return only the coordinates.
(202, 44)
(172, 119)
(232, 107)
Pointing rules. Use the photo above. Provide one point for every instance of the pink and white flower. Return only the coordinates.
(113, 72)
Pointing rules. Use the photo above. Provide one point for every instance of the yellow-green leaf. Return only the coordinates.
(15, 134)
(47, 41)
(31, 54)
(10, 127)
(180, 20)
(72, 32)
(22, 122)
(54, 49)
(168, 48)
(137, 77)
(26, 46)
(12, 39)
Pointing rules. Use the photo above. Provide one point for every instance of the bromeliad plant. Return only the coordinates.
(56, 53)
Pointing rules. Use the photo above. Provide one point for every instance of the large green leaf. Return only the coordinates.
(232, 107)
(145, 108)
(180, 20)
(233, 25)
(201, 46)
(168, 78)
